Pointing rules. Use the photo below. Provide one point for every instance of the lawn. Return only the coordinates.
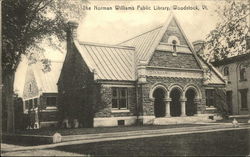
(222, 143)
(80, 131)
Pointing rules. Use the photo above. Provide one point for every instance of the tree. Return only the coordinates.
(25, 23)
(229, 37)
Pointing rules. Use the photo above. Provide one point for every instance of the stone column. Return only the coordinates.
(183, 107)
(167, 104)
(197, 103)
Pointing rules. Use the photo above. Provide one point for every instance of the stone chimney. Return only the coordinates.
(199, 46)
(72, 29)
(248, 42)
(71, 35)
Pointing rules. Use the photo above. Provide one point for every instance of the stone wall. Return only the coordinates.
(148, 106)
(166, 59)
(103, 106)
(75, 87)
(173, 30)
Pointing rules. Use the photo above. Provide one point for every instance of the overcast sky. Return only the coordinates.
(112, 26)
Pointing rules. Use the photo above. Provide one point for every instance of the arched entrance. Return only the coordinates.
(175, 104)
(159, 105)
(191, 107)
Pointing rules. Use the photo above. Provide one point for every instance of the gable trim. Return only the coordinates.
(159, 37)
(213, 69)
(161, 34)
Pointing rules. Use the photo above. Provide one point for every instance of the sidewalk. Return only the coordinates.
(89, 138)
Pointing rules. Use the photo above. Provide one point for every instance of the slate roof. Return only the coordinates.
(109, 62)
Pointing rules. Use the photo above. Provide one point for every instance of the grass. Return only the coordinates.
(222, 143)
(79, 131)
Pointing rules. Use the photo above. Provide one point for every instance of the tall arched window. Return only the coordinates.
(226, 71)
(174, 42)
(242, 70)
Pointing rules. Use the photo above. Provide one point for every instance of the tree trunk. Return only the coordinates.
(8, 94)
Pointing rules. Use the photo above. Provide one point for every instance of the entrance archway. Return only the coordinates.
(159, 105)
(175, 104)
(191, 107)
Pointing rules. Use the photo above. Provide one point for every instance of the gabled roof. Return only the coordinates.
(107, 61)
(145, 44)
(47, 81)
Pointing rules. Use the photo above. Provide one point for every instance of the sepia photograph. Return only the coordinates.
(125, 78)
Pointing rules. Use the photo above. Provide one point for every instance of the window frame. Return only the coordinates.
(243, 104)
(226, 71)
(242, 72)
(210, 95)
(49, 97)
(118, 98)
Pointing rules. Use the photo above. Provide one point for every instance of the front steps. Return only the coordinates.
(202, 118)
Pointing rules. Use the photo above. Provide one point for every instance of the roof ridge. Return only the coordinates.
(141, 34)
(106, 45)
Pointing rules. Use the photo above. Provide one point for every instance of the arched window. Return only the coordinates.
(30, 87)
(242, 70)
(226, 71)
(174, 42)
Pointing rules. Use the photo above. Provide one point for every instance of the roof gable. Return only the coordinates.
(146, 43)
(173, 29)
(47, 80)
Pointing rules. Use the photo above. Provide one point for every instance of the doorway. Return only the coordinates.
(191, 107)
(175, 105)
(159, 105)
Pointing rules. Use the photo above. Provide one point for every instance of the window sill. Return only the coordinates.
(51, 108)
(243, 80)
(210, 108)
(119, 111)
(244, 109)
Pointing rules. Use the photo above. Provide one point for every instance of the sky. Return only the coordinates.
(112, 26)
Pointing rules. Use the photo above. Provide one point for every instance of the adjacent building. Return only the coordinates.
(153, 78)
(236, 71)
(37, 86)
